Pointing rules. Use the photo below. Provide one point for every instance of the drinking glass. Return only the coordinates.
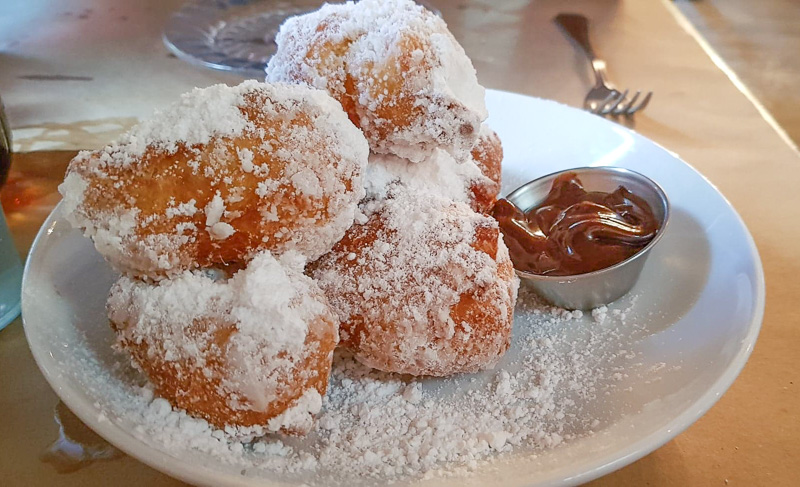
(10, 264)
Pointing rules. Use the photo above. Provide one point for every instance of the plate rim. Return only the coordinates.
(607, 463)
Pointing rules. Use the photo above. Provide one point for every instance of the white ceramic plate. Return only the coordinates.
(700, 305)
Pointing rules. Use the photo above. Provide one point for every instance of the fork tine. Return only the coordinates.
(624, 107)
(598, 107)
(614, 103)
(641, 106)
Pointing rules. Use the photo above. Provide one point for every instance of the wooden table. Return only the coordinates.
(75, 73)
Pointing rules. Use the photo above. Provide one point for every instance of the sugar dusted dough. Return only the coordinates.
(278, 174)
(204, 341)
(395, 68)
(424, 287)
(219, 176)
(463, 181)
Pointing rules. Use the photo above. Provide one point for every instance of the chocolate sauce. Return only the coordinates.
(574, 231)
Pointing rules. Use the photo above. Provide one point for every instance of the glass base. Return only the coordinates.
(10, 275)
(8, 316)
(231, 35)
(237, 36)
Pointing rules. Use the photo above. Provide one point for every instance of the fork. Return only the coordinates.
(603, 98)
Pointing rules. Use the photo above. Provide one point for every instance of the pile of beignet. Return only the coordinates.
(254, 226)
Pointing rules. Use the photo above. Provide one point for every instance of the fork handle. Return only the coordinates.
(576, 27)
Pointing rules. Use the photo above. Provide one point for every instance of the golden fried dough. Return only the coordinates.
(396, 69)
(219, 176)
(424, 287)
(250, 349)
(487, 154)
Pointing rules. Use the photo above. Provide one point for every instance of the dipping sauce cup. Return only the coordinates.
(593, 289)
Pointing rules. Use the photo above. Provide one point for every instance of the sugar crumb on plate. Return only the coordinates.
(385, 427)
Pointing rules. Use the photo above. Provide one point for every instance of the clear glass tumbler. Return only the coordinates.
(10, 263)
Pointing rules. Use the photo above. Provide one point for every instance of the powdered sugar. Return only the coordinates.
(199, 116)
(277, 166)
(246, 336)
(165, 309)
(439, 174)
(430, 289)
(395, 68)
(457, 76)
(387, 427)
(300, 416)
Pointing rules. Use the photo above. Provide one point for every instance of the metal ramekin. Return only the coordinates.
(593, 289)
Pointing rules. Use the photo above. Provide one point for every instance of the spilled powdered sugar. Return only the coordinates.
(377, 427)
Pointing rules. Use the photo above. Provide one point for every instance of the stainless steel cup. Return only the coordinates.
(593, 289)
